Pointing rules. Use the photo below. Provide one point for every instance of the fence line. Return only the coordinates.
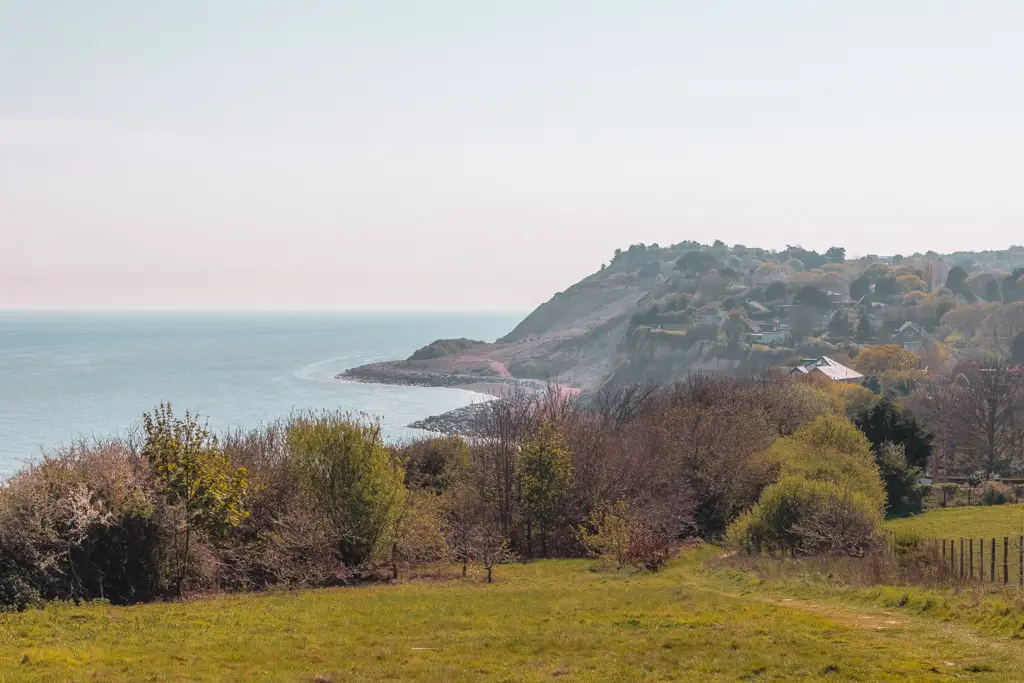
(958, 555)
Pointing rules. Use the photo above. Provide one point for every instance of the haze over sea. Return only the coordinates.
(67, 376)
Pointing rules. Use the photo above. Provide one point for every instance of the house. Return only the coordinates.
(757, 311)
(711, 314)
(770, 334)
(838, 298)
(766, 276)
(827, 367)
(909, 336)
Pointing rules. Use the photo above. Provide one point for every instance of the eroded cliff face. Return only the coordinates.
(592, 333)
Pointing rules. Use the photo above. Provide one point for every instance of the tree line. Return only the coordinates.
(320, 498)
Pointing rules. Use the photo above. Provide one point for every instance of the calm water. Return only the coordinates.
(67, 376)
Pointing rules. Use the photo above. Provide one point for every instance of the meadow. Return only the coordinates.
(978, 521)
(540, 621)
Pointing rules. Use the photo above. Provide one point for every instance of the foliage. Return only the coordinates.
(435, 464)
(853, 398)
(417, 534)
(195, 478)
(864, 330)
(607, 535)
(956, 280)
(775, 291)
(902, 490)
(1017, 350)
(344, 466)
(800, 515)
(889, 361)
(836, 255)
(886, 423)
(992, 292)
(812, 297)
(735, 324)
(545, 470)
(80, 526)
(996, 493)
(696, 262)
(619, 538)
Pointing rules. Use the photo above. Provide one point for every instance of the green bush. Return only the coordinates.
(902, 491)
(830, 448)
(345, 467)
(802, 516)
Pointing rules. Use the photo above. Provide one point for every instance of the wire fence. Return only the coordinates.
(983, 560)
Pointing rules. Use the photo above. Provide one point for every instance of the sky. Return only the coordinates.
(467, 155)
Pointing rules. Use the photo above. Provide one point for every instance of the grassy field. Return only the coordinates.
(969, 522)
(539, 622)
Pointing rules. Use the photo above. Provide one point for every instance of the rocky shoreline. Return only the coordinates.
(461, 421)
(389, 372)
(458, 422)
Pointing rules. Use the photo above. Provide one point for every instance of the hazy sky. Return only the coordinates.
(417, 154)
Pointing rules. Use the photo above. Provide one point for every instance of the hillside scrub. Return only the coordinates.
(829, 499)
(318, 498)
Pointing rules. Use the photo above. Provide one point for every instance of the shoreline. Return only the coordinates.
(458, 422)
(387, 373)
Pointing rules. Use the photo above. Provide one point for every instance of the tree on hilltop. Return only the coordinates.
(836, 255)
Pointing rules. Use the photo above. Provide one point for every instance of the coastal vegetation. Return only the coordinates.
(819, 464)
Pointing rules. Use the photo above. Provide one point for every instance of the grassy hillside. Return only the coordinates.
(541, 621)
(988, 521)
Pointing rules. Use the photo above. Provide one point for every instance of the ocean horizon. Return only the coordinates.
(67, 376)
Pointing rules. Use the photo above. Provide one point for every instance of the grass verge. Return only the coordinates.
(989, 521)
(541, 621)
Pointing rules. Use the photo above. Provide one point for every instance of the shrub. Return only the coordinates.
(799, 515)
(832, 449)
(346, 470)
(545, 472)
(902, 491)
(836, 433)
(609, 539)
(433, 463)
(80, 525)
(204, 492)
(996, 493)
(620, 538)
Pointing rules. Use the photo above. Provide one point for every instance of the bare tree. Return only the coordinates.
(618, 405)
(977, 417)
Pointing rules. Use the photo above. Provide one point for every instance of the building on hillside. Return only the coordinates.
(711, 314)
(838, 298)
(774, 333)
(837, 372)
(757, 311)
(910, 336)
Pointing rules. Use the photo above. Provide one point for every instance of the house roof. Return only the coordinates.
(758, 307)
(828, 367)
(904, 327)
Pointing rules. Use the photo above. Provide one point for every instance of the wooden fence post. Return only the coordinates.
(981, 559)
(970, 545)
(943, 551)
(1020, 559)
(1006, 564)
(961, 560)
(992, 561)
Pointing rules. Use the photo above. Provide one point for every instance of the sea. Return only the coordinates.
(72, 376)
